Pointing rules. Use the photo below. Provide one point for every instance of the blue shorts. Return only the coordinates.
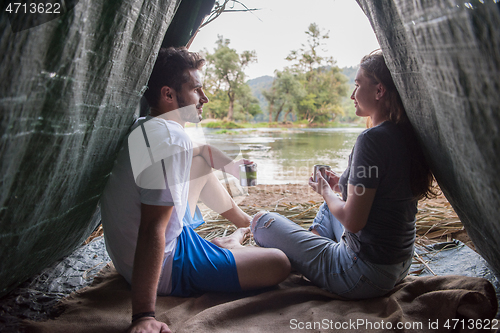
(200, 266)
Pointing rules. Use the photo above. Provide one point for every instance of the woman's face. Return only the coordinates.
(364, 95)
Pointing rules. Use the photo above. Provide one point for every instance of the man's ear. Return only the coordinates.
(167, 94)
(380, 91)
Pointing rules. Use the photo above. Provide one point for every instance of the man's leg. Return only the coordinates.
(205, 186)
(257, 267)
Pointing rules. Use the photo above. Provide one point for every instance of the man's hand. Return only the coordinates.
(148, 325)
(233, 168)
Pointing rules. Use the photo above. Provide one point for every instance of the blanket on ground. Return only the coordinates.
(418, 304)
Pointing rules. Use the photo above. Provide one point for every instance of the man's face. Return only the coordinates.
(192, 93)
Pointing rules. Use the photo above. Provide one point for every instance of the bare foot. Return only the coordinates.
(234, 240)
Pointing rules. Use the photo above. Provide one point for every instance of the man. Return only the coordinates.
(149, 204)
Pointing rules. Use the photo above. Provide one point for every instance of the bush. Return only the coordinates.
(224, 124)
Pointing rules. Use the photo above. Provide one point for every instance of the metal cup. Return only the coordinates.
(248, 174)
(322, 169)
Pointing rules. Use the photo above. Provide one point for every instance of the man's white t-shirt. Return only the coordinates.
(165, 156)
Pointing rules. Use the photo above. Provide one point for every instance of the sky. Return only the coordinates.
(279, 26)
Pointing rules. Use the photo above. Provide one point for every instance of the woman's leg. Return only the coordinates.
(327, 225)
(328, 264)
(318, 258)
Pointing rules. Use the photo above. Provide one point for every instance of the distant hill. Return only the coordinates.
(347, 104)
(264, 81)
(350, 72)
(258, 85)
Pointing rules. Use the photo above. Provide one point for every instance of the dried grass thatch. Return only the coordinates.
(436, 221)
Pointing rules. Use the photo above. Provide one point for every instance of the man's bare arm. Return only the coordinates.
(147, 265)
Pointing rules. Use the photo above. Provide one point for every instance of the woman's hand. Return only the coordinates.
(333, 180)
(148, 325)
(321, 187)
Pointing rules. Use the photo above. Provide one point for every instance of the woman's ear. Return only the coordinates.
(380, 91)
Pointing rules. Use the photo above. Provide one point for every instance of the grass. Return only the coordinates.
(436, 222)
(224, 124)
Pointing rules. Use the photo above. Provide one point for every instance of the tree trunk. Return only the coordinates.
(230, 111)
(278, 113)
(286, 114)
(271, 105)
(231, 106)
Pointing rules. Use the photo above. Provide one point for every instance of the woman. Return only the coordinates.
(361, 245)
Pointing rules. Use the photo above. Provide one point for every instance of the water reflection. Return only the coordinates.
(285, 156)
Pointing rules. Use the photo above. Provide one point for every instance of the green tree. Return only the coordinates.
(271, 98)
(285, 94)
(225, 72)
(247, 106)
(322, 80)
(218, 106)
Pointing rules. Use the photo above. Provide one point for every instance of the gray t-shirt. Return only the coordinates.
(381, 160)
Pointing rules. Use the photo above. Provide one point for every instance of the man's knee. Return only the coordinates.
(199, 168)
(280, 264)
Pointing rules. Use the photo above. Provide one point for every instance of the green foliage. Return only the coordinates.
(224, 77)
(287, 92)
(312, 88)
(218, 104)
(347, 104)
(248, 105)
(255, 125)
(258, 86)
(350, 73)
(224, 131)
(224, 124)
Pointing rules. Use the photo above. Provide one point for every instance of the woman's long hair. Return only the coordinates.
(421, 177)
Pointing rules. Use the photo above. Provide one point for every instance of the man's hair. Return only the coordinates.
(170, 70)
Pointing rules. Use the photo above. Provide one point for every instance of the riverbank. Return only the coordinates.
(224, 124)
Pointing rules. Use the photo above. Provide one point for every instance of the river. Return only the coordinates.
(284, 156)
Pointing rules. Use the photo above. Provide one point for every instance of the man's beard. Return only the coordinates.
(189, 114)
